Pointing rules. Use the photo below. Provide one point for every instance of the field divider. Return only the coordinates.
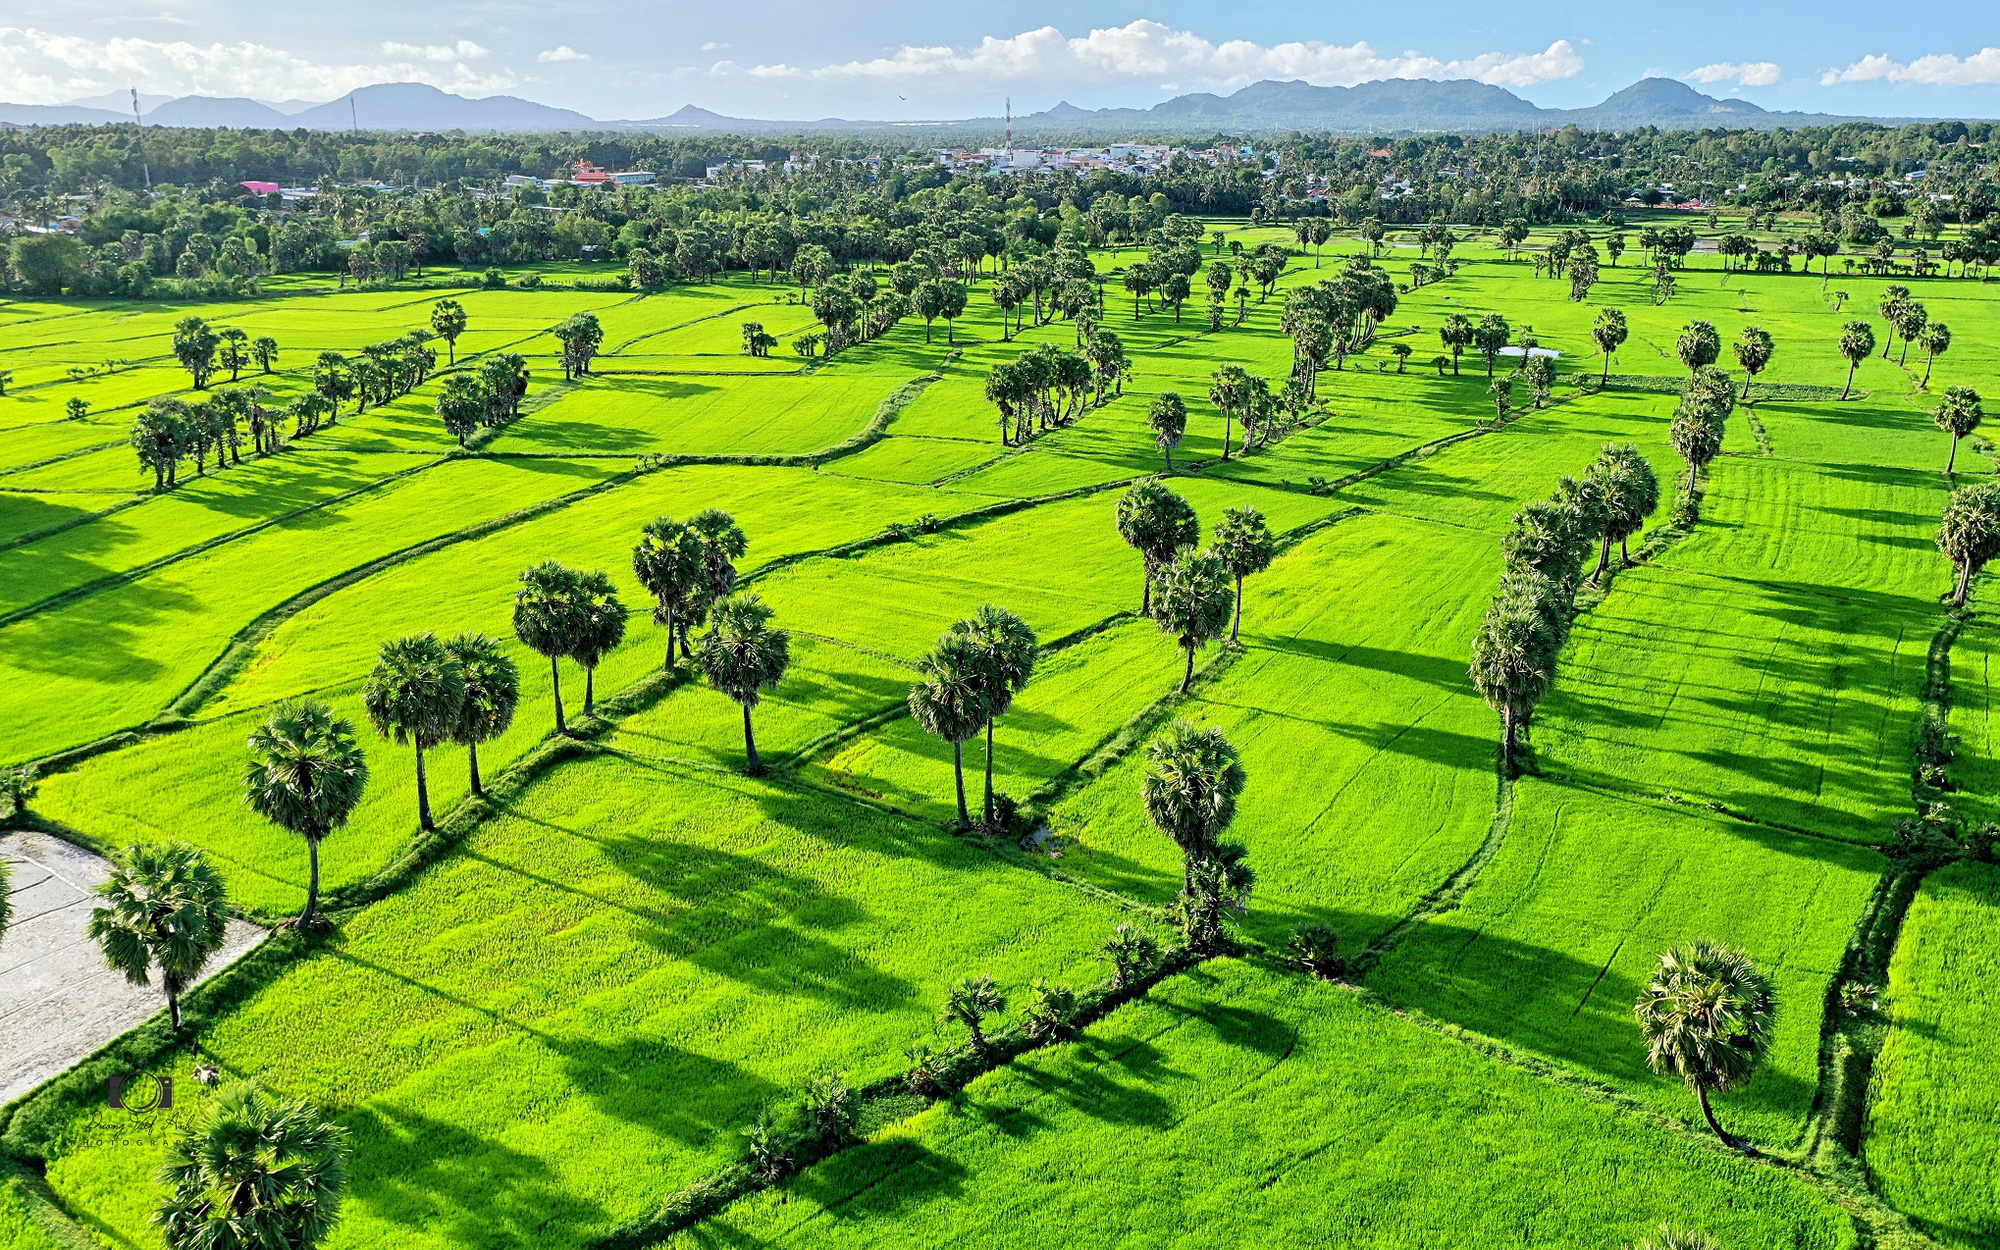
(68, 455)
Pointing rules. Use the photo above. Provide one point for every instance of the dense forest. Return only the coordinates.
(199, 232)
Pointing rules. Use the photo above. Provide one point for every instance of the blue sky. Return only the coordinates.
(767, 58)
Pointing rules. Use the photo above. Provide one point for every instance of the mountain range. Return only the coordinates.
(1390, 106)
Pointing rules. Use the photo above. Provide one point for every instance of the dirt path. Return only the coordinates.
(58, 1002)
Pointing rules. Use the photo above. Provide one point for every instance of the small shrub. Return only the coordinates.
(529, 281)
(833, 1106)
(1006, 812)
(19, 787)
(1686, 512)
(896, 532)
(494, 278)
(925, 1078)
(1316, 949)
(1132, 954)
(1051, 1012)
(1859, 999)
(929, 523)
(770, 1154)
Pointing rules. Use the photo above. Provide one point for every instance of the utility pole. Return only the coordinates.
(1010, 127)
(141, 124)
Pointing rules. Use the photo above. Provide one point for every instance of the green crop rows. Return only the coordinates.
(550, 1021)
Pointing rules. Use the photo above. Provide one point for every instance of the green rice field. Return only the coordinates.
(550, 1021)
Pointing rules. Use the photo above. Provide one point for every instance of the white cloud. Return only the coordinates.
(1947, 69)
(442, 53)
(1742, 73)
(38, 67)
(1155, 52)
(715, 46)
(562, 52)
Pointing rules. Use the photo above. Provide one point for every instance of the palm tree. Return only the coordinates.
(743, 657)
(668, 563)
(1630, 491)
(1708, 1015)
(1456, 334)
(305, 774)
(1609, 332)
(448, 322)
(1247, 547)
(1857, 339)
(492, 692)
(1167, 418)
(969, 1001)
(1155, 522)
(253, 1172)
(1194, 602)
(1698, 344)
(1969, 533)
(722, 545)
(1006, 650)
(1193, 779)
(1514, 653)
(1753, 351)
(949, 702)
(600, 627)
(164, 909)
(1489, 337)
(547, 620)
(414, 695)
(1935, 341)
(1958, 415)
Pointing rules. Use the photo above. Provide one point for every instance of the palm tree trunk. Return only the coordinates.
(1187, 677)
(667, 664)
(589, 690)
(1605, 380)
(1848, 389)
(1237, 623)
(1226, 418)
(1508, 740)
(174, 1009)
(958, 775)
(1964, 586)
(1146, 595)
(472, 757)
(423, 793)
(1927, 372)
(1603, 557)
(312, 882)
(555, 680)
(1708, 1113)
(750, 743)
(989, 770)
(1953, 458)
(1170, 458)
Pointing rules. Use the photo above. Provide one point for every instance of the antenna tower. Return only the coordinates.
(353, 118)
(1010, 123)
(140, 123)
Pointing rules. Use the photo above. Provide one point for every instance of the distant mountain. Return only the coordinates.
(59, 115)
(419, 106)
(207, 112)
(1388, 106)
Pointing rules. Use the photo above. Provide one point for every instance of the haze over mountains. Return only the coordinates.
(1390, 106)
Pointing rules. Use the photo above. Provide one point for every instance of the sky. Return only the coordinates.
(892, 60)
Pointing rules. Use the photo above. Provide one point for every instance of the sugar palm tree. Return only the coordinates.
(165, 911)
(1857, 339)
(1167, 418)
(668, 563)
(743, 656)
(600, 627)
(253, 1172)
(970, 1001)
(1246, 546)
(1754, 350)
(1193, 603)
(492, 692)
(723, 543)
(1697, 437)
(1457, 335)
(949, 702)
(1609, 332)
(414, 695)
(1698, 345)
(448, 322)
(1514, 653)
(1708, 1015)
(1193, 779)
(1969, 533)
(1958, 415)
(1935, 341)
(1625, 483)
(305, 774)
(547, 620)
(1006, 660)
(1156, 523)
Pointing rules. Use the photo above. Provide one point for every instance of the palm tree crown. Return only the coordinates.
(164, 909)
(252, 1172)
(414, 695)
(1708, 1014)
